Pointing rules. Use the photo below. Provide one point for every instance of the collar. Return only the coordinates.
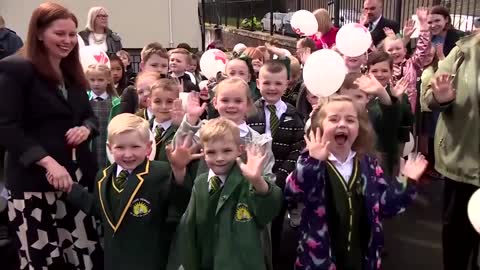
(280, 105)
(149, 114)
(350, 157)
(104, 96)
(244, 129)
(222, 177)
(165, 125)
(375, 23)
(119, 169)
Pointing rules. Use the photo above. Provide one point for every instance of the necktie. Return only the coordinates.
(99, 99)
(121, 180)
(370, 27)
(274, 122)
(159, 133)
(215, 184)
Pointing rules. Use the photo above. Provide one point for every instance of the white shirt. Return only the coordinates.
(102, 96)
(103, 46)
(344, 168)
(244, 130)
(281, 109)
(149, 114)
(192, 77)
(120, 169)
(165, 125)
(375, 23)
(212, 174)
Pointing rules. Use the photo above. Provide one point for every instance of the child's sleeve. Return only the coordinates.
(266, 206)
(186, 128)
(395, 194)
(81, 199)
(294, 152)
(424, 44)
(266, 141)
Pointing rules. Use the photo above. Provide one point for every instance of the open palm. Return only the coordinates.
(252, 170)
(317, 147)
(415, 166)
(183, 152)
(442, 88)
(194, 107)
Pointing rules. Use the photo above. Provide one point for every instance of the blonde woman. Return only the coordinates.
(325, 38)
(97, 32)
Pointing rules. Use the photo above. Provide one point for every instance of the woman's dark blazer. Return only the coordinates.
(34, 118)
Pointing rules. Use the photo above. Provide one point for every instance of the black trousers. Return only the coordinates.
(460, 240)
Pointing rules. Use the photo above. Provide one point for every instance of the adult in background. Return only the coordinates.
(97, 32)
(454, 93)
(327, 33)
(46, 124)
(9, 41)
(373, 19)
(444, 35)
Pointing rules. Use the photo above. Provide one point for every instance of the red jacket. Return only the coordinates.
(327, 40)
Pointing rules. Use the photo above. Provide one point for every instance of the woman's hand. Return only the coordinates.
(442, 88)
(56, 175)
(77, 135)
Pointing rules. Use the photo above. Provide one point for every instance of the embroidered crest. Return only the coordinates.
(140, 208)
(242, 214)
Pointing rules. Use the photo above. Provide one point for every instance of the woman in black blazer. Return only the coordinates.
(46, 124)
(444, 35)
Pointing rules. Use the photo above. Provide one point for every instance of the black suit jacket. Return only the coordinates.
(34, 118)
(378, 35)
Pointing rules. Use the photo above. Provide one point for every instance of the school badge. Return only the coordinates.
(242, 214)
(140, 208)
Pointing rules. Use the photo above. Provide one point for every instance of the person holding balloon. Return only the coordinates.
(326, 35)
(344, 191)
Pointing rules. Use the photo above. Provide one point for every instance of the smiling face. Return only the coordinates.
(382, 72)
(129, 149)
(156, 63)
(60, 38)
(437, 23)
(231, 102)
(354, 64)
(340, 126)
(357, 95)
(272, 85)
(161, 104)
(396, 50)
(221, 154)
(238, 68)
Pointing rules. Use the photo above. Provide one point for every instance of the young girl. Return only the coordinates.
(127, 63)
(105, 104)
(344, 192)
(118, 74)
(242, 68)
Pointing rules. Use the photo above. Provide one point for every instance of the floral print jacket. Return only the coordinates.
(306, 186)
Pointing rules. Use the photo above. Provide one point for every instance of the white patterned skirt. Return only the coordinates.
(51, 234)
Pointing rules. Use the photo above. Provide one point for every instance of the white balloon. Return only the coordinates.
(473, 210)
(353, 40)
(304, 23)
(409, 146)
(150, 157)
(212, 62)
(90, 55)
(324, 72)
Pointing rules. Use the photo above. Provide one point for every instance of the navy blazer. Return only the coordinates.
(378, 35)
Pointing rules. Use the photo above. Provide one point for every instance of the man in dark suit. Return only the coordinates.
(375, 22)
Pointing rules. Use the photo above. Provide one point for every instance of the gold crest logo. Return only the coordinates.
(242, 214)
(140, 208)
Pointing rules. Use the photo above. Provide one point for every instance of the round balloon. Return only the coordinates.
(304, 23)
(409, 146)
(150, 157)
(212, 62)
(353, 40)
(473, 210)
(324, 72)
(90, 55)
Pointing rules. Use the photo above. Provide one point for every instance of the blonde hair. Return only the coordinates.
(365, 141)
(323, 19)
(239, 83)
(92, 15)
(184, 52)
(151, 49)
(168, 85)
(219, 128)
(147, 75)
(382, 44)
(124, 53)
(127, 122)
(104, 70)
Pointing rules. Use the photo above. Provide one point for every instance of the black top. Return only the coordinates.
(378, 35)
(453, 35)
(34, 118)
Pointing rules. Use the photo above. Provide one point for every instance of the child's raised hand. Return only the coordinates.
(415, 166)
(252, 170)
(409, 28)
(422, 15)
(442, 88)
(369, 84)
(184, 152)
(400, 88)
(177, 112)
(389, 32)
(194, 108)
(317, 146)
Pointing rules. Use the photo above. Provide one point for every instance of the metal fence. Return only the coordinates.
(230, 12)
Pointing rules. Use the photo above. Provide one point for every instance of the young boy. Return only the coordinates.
(164, 94)
(154, 58)
(285, 125)
(229, 207)
(135, 198)
(295, 83)
(180, 59)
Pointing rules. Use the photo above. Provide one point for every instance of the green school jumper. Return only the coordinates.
(346, 218)
(140, 220)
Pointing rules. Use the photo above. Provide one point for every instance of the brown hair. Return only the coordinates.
(323, 19)
(295, 68)
(253, 53)
(378, 57)
(147, 74)
(240, 84)
(124, 53)
(35, 51)
(365, 142)
(168, 85)
(182, 51)
(219, 128)
(274, 66)
(105, 71)
(440, 10)
(308, 43)
(151, 49)
(349, 81)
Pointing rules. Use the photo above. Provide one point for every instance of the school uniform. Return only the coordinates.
(139, 214)
(222, 227)
(164, 133)
(188, 85)
(286, 127)
(145, 114)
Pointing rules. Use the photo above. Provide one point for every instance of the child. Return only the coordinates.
(230, 205)
(164, 94)
(135, 198)
(305, 47)
(179, 61)
(306, 102)
(127, 63)
(355, 64)
(242, 68)
(118, 74)
(344, 191)
(194, 68)
(295, 83)
(257, 58)
(154, 58)
(105, 104)
(286, 127)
